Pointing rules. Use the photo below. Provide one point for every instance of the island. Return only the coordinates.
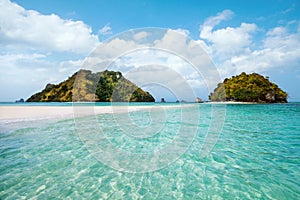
(248, 88)
(21, 100)
(103, 86)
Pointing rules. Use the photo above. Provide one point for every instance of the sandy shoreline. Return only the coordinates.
(25, 113)
(28, 113)
(229, 102)
(13, 117)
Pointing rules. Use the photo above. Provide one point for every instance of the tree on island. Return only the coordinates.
(249, 88)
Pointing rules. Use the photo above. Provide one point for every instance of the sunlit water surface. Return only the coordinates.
(257, 156)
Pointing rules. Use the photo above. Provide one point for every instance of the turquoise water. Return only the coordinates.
(256, 156)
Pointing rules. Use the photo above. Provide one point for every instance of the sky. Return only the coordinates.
(46, 42)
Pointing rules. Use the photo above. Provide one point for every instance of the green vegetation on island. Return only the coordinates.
(84, 85)
(248, 88)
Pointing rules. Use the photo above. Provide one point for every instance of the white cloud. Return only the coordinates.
(69, 66)
(279, 37)
(183, 31)
(207, 48)
(215, 20)
(140, 35)
(25, 74)
(105, 30)
(36, 49)
(276, 31)
(280, 50)
(147, 57)
(229, 41)
(233, 48)
(165, 77)
(103, 55)
(133, 49)
(142, 48)
(171, 40)
(33, 30)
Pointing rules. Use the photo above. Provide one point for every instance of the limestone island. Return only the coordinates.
(248, 88)
(86, 86)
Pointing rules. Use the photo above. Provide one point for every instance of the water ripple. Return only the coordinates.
(256, 157)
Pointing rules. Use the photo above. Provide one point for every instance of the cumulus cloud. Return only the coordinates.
(105, 30)
(140, 35)
(280, 50)
(36, 49)
(229, 41)
(24, 74)
(142, 48)
(33, 30)
(233, 48)
(162, 76)
(183, 31)
(215, 20)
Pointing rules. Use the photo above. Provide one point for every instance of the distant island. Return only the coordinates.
(21, 100)
(103, 86)
(249, 88)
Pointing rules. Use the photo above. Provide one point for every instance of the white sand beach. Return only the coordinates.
(229, 102)
(29, 113)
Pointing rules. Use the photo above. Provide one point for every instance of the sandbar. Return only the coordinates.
(31, 113)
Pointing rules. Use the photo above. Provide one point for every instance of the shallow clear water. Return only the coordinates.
(257, 156)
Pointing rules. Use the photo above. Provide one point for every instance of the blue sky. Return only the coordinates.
(251, 36)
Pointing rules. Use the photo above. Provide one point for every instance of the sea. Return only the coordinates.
(171, 151)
